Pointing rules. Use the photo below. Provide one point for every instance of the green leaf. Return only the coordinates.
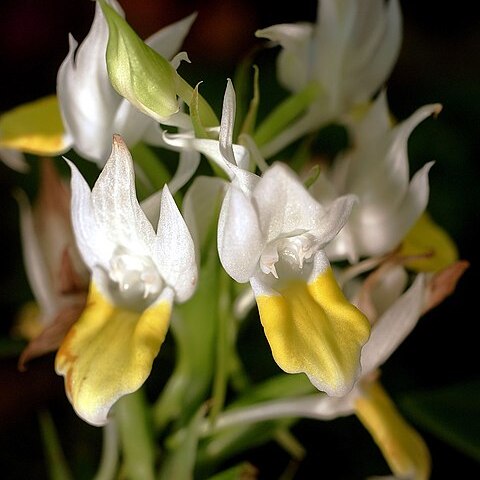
(451, 413)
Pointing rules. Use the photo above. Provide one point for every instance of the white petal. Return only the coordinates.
(389, 288)
(378, 52)
(210, 148)
(168, 41)
(227, 123)
(175, 252)
(285, 206)
(116, 207)
(391, 329)
(336, 216)
(87, 99)
(36, 268)
(187, 166)
(131, 123)
(240, 240)
(293, 61)
(378, 237)
(91, 244)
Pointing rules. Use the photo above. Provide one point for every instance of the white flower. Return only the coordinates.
(349, 52)
(137, 274)
(271, 233)
(92, 110)
(376, 170)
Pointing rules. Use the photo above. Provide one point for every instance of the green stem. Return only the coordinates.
(136, 437)
(57, 465)
(285, 113)
(194, 328)
(222, 369)
(109, 462)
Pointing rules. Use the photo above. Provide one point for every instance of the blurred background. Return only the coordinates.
(433, 377)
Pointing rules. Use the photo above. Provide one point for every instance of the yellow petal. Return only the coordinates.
(108, 353)
(34, 127)
(403, 448)
(427, 239)
(314, 329)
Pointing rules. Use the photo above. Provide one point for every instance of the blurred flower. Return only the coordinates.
(376, 170)
(56, 273)
(137, 274)
(349, 52)
(394, 312)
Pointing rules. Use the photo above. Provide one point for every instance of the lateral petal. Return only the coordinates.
(174, 249)
(109, 353)
(240, 240)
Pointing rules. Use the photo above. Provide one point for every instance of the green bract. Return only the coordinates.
(136, 71)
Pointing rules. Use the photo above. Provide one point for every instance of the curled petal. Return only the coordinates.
(312, 328)
(109, 353)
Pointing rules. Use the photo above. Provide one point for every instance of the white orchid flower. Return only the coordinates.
(376, 170)
(394, 309)
(137, 275)
(92, 110)
(402, 446)
(349, 52)
(272, 233)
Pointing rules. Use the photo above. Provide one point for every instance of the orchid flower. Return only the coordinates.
(349, 52)
(376, 170)
(91, 108)
(394, 312)
(137, 275)
(55, 271)
(272, 234)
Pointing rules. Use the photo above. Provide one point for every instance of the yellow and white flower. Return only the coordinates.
(137, 275)
(272, 233)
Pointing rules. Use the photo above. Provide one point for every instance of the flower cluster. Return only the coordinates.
(337, 256)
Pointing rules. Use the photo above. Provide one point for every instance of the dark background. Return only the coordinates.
(439, 62)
